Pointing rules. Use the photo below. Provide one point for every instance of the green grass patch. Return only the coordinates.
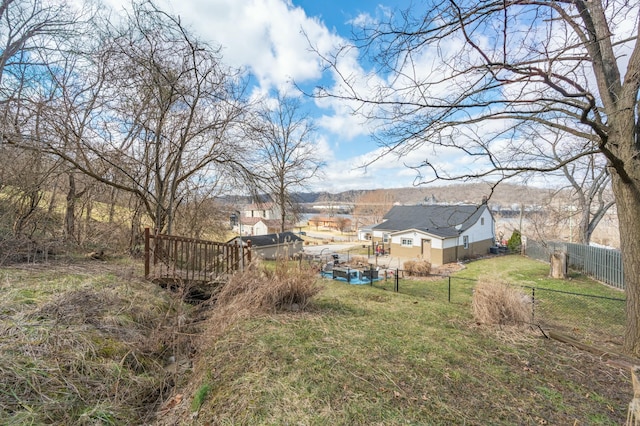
(86, 344)
(200, 396)
(364, 356)
(578, 305)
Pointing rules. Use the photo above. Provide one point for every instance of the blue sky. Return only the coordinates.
(266, 38)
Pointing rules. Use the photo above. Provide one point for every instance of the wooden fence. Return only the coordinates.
(171, 258)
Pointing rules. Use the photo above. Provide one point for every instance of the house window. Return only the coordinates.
(385, 238)
(407, 242)
(482, 221)
(465, 241)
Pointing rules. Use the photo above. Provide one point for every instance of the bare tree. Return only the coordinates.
(149, 110)
(30, 35)
(472, 77)
(371, 206)
(27, 27)
(587, 179)
(591, 194)
(287, 158)
(26, 176)
(343, 224)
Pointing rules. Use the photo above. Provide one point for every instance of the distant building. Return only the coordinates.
(259, 219)
(437, 233)
(273, 246)
(339, 223)
(365, 233)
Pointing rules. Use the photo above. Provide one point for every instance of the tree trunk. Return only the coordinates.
(52, 201)
(112, 203)
(584, 235)
(135, 236)
(628, 203)
(69, 216)
(86, 225)
(559, 265)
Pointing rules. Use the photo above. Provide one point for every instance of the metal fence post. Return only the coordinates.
(449, 297)
(533, 304)
(397, 281)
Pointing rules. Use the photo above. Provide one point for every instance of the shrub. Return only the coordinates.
(287, 286)
(515, 242)
(419, 268)
(200, 396)
(497, 302)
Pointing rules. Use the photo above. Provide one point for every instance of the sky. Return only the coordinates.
(267, 37)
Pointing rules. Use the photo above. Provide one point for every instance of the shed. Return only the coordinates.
(273, 246)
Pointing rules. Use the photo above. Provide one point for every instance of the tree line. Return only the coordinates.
(135, 112)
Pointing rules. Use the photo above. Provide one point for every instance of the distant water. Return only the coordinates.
(307, 216)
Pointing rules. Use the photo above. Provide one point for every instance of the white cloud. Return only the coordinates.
(264, 36)
(268, 37)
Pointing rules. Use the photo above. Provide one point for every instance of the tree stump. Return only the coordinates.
(559, 265)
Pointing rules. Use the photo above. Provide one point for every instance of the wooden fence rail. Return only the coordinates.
(180, 259)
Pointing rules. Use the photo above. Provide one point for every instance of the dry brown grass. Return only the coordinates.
(359, 260)
(85, 348)
(417, 268)
(496, 302)
(288, 286)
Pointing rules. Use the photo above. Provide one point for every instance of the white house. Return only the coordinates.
(258, 219)
(437, 233)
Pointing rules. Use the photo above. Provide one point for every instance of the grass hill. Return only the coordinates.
(361, 356)
(89, 342)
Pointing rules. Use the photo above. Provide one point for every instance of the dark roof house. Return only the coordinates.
(441, 220)
(437, 233)
(272, 246)
(271, 239)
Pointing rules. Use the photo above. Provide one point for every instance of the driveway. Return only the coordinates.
(327, 249)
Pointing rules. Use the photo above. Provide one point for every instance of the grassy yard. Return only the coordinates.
(567, 305)
(365, 356)
(89, 343)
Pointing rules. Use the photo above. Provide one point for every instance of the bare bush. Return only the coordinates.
(259, 290)
(418, 268)
(497, 302)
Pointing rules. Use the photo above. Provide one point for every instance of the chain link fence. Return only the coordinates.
(588, 318)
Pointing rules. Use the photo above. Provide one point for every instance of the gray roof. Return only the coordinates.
(271, 239)
(439, 220)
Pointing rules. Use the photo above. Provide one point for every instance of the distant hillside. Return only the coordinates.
(504, 194)
(473, 193)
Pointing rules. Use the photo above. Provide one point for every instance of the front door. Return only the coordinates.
(425, 250)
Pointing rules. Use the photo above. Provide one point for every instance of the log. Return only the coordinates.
(612, 358)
